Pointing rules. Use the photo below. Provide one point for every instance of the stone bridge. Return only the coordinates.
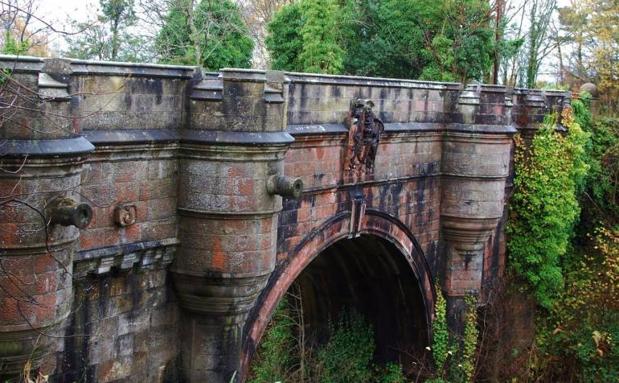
(151, 216)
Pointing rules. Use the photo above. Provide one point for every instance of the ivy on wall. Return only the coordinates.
(544, 207)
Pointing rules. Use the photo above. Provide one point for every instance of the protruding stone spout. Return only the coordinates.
(285, 186)
(67, 212)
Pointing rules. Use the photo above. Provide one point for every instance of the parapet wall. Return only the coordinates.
(174, 164)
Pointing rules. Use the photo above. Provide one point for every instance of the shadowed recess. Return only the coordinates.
(369, 275)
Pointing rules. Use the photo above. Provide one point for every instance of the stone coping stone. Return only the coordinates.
(39, 148)
(131, 136)
(148, 136)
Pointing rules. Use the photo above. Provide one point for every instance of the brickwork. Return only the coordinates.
(187, 183)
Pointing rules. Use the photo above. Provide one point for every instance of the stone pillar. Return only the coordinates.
(231, 163)
(475, 167)
(41, 156)
(529, 111)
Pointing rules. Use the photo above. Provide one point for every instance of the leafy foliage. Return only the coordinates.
(347, 356)
(321, 51)
(580, 340)
(109, 38)
(544, 206)
(577, 335)
(273, 358)
(211, 34)
(469, 345)
(454, 354)
(440, 333)
(12, 46)
(284, 39)
(450, 40)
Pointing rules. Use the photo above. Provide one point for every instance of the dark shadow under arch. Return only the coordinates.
(399, 255)
(370, 276)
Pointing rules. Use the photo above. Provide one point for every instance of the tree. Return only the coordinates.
(538, 45)
(18, 36)
(109, 37)
(451, 40)
(257, 15)
(211, 33)
(117, 13)
(284, 41)
(463, 48)
(604, 29)
(321, 51)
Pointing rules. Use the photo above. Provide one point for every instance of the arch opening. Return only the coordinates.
(370, 276)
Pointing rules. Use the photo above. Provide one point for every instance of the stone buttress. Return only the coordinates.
(475, 167)
(41, 158)
(231, 167)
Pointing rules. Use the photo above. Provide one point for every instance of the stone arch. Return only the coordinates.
(374, 223)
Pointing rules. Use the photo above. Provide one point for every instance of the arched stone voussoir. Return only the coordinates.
(374, 223)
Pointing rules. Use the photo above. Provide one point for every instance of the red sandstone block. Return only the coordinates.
(130, 171)
(103, 195)
(159, 188)
(161, 208)
(44, 263)
(158, 230)
(19, 266)
(127, 191)
(44, 283)
(8, 234)
(303, 213)
(130, 234)
(43, 311)
(93, 238)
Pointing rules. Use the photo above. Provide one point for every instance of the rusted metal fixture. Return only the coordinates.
(66, 211)
(364, 130)
(285, 186)
(125, 215)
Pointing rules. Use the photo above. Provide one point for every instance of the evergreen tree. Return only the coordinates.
(108, 39)
(211, 34)
(321, 52)
(449, 40)
(284, 41)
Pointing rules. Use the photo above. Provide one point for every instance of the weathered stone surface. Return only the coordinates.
(186, 289)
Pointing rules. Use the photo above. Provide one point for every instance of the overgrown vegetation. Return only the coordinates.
(544, 207)
(572, 266)
(286, 355)
(455, 356)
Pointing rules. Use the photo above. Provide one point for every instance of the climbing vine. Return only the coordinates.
(440, 334)
(455, 356)
(544, 207)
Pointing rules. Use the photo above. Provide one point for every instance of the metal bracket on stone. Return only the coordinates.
(125, 215)
(66, 211)
(285, 186)
(357, 211)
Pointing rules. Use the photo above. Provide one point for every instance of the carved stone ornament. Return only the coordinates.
(364, 130)
(125, 215)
